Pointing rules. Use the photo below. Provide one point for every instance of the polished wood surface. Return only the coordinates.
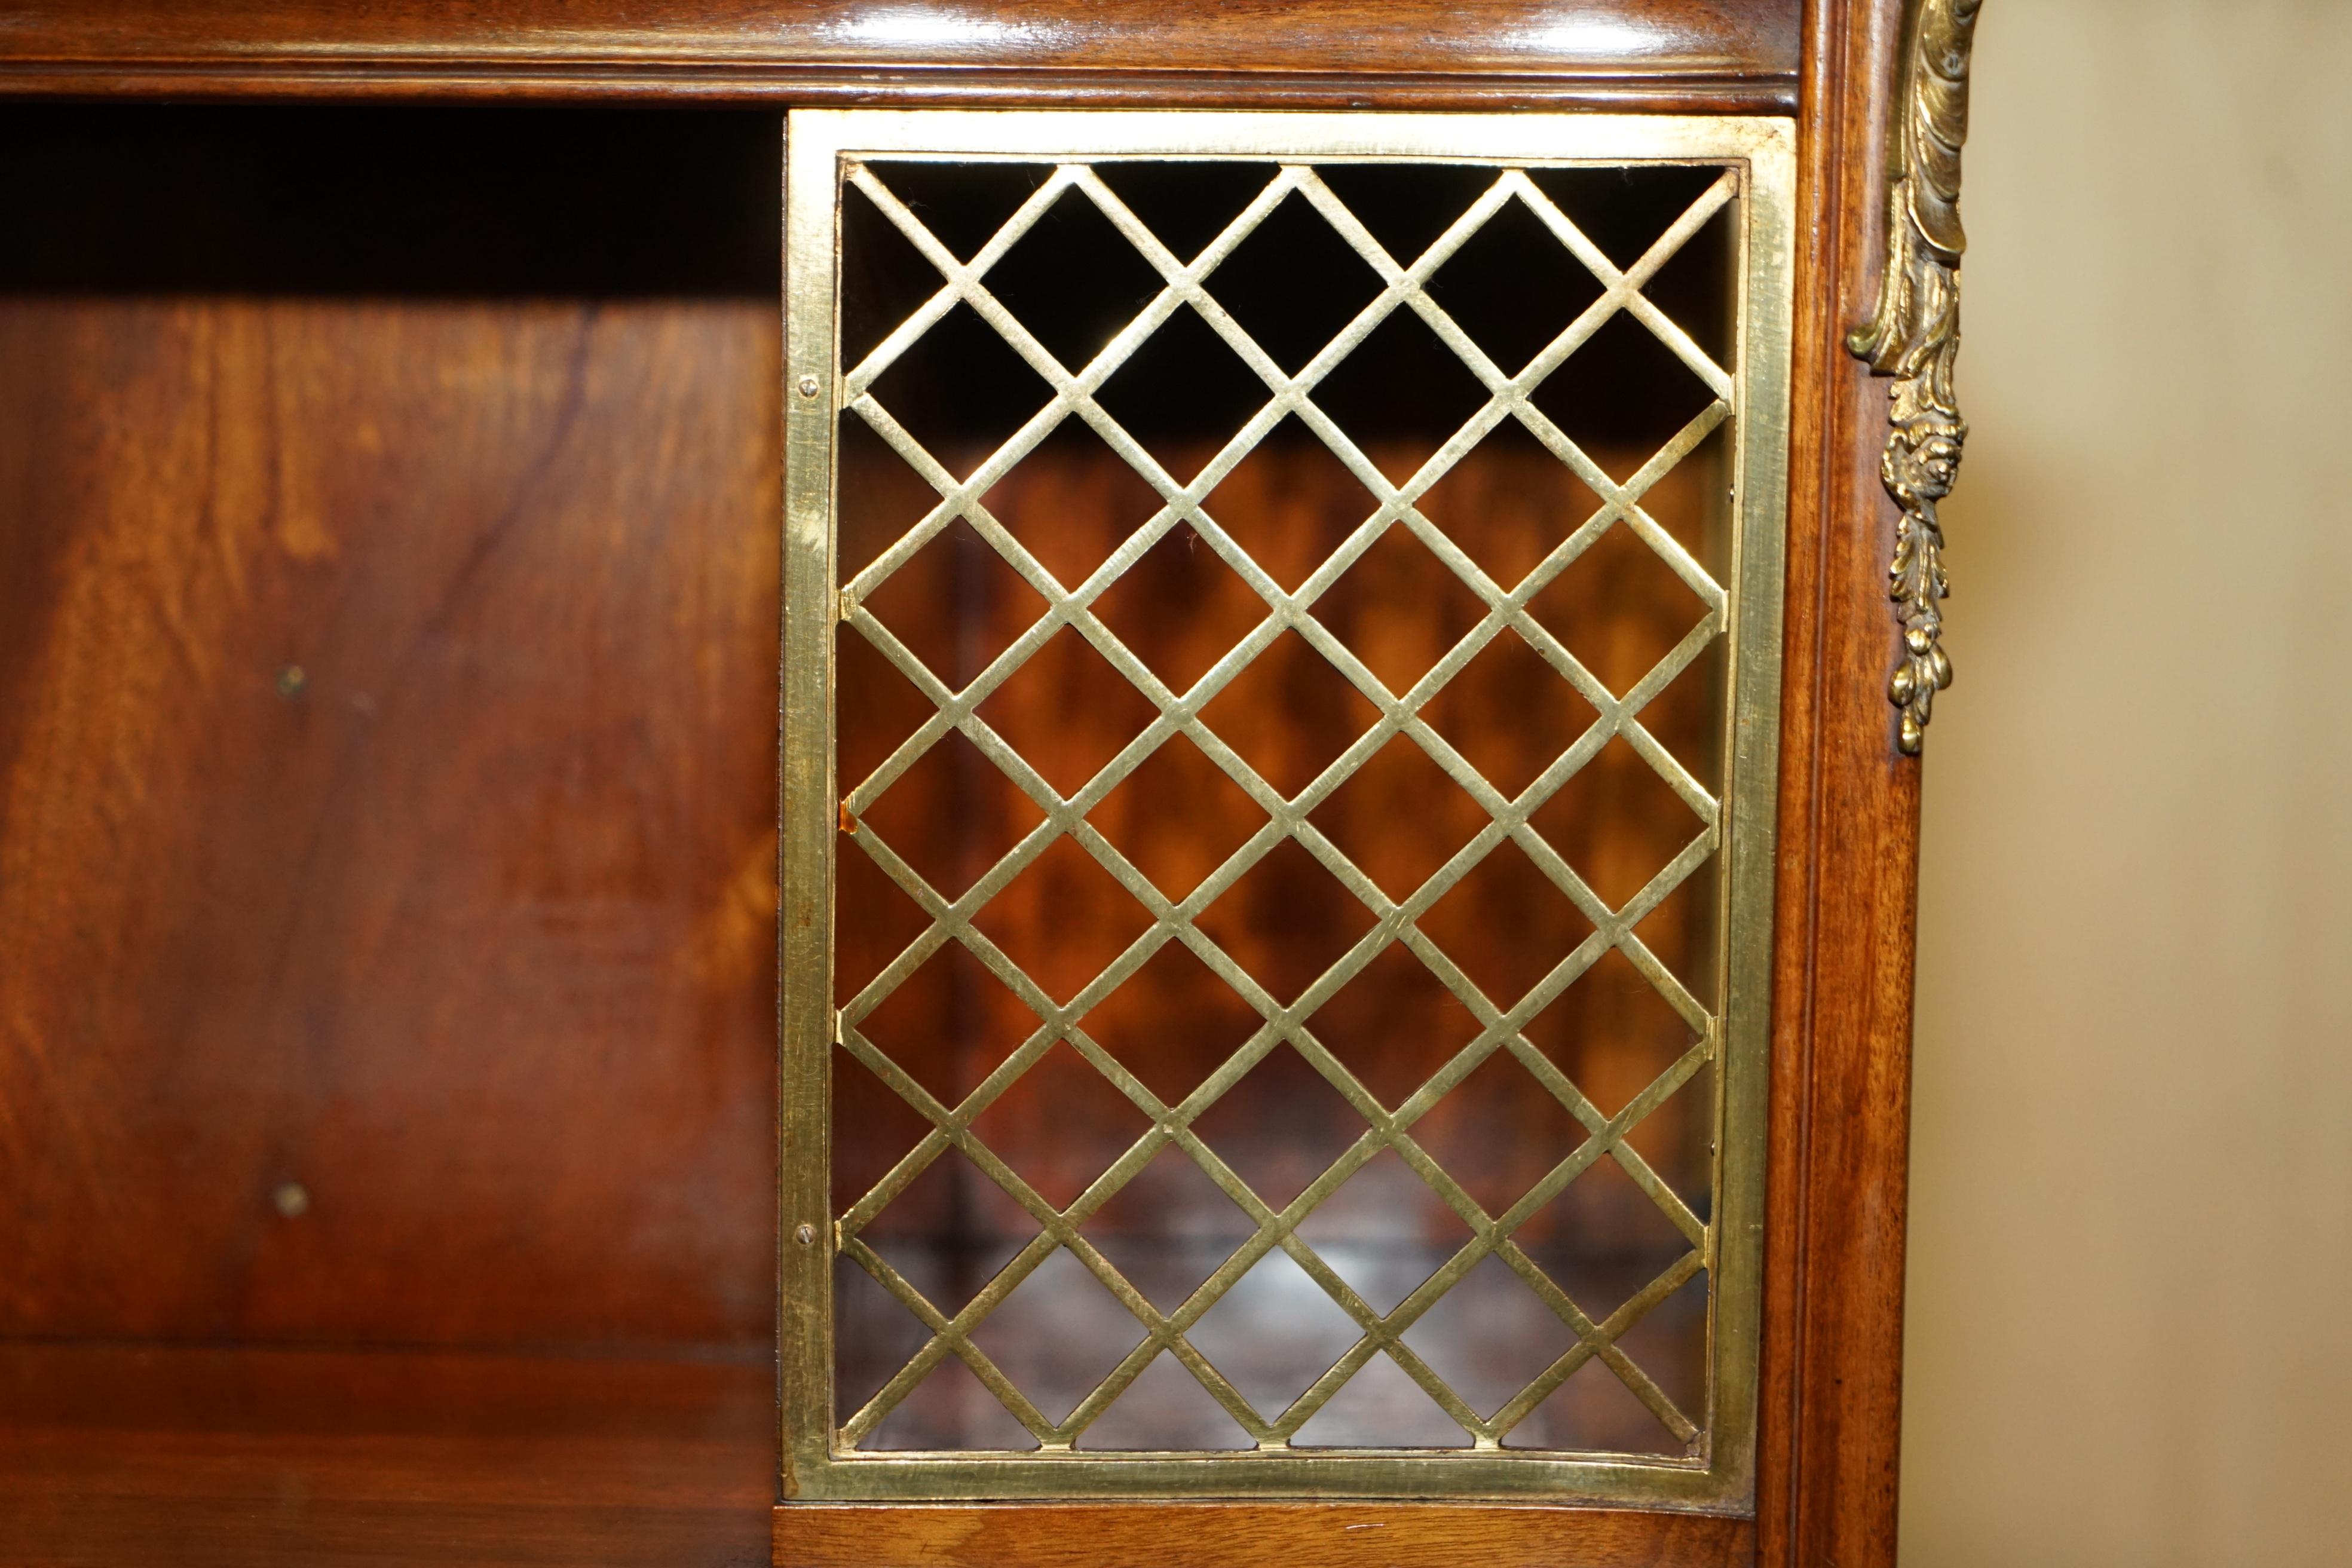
(1849, 842)
(1684, 53)
(1218, 1535)
(387, 738)
(114, 1457)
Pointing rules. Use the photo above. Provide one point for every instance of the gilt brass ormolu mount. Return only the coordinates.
(1915, 336)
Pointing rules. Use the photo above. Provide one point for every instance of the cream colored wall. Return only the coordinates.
(2131, 1266)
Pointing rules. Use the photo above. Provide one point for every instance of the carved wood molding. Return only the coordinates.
(1915, 336)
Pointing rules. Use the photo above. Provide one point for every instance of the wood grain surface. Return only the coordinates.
(1686, 52)
(466, 929)
(251, 1458)
(1831, 1412)
(1217, 1535)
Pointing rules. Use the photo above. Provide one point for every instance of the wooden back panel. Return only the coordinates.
(466, 927)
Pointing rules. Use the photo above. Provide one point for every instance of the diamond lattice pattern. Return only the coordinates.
(1498, 843)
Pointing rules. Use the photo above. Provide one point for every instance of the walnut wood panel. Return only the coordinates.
(250, 1457)
(1830, 1409)
(387, 747)
(1217, 1535)
(1684, 52)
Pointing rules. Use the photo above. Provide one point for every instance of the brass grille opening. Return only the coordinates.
(1291, 674)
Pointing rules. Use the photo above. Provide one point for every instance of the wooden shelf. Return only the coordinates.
(252, 1457)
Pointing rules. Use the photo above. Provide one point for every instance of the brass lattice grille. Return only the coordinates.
(852, 151)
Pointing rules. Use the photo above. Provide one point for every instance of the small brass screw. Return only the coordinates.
(291, 681)
(292, 1200)
(805, 1236)
(809, 386)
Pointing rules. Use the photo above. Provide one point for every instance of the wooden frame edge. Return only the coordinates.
(1840, 1122)
(1218, 1535)
(371, 78)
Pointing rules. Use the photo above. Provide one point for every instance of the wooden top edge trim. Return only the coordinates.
(1202, 50)
(1726, 38)
(308, 79)
(937, 85)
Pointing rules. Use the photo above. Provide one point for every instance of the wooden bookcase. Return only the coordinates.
(392, 449)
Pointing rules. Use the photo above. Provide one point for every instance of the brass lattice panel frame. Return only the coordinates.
(826, 149)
